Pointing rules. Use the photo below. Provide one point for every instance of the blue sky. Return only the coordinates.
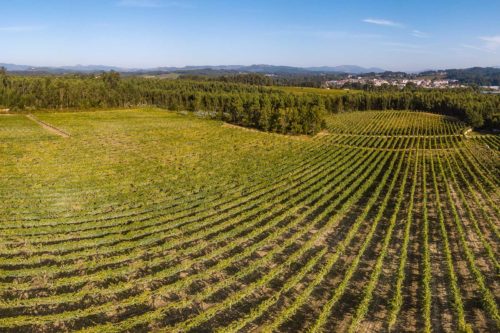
(392, 34)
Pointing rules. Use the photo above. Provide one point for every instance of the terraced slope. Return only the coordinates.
(146, 219)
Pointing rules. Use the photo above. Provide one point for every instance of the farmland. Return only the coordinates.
(147, 219)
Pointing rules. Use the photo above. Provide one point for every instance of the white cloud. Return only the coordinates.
(491, 42)
(21, 28)
(383, 22)
(153, 4)
(419, 34)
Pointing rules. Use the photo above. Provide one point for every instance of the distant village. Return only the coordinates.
(398, 82)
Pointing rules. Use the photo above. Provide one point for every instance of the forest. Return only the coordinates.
(264, 107)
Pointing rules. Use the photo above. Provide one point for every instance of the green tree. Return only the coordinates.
(111, 79)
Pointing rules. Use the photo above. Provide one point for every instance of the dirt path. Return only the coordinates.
(48, 127)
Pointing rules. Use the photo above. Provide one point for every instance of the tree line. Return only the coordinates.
(263, 107)
(245, 105)
(478, 110)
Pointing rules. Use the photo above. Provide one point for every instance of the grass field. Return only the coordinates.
(147, 219)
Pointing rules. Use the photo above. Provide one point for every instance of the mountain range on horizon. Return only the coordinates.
(260, 68)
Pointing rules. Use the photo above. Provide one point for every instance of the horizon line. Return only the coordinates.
(135, 68)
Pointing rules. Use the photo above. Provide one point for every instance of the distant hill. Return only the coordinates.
(350, 69)
(95, 68)
(272, 69)
(483, 76)
(63, 69)
(13, 67)
(260, 68)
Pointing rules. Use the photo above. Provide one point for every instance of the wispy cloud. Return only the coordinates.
(476, 48)
(153, 4)
(491, 42)
(382, 22)
(21, 28)
(308, 31)
(419, 34)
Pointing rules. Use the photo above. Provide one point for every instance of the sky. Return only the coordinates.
(407, 35)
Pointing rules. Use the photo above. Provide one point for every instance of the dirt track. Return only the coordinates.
(48, 127)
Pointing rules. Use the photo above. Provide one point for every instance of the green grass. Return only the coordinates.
(132, 153)
(147, 219)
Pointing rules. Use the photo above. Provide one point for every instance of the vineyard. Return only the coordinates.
(147, 219)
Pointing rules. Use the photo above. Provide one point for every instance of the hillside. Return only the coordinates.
(482, 76)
